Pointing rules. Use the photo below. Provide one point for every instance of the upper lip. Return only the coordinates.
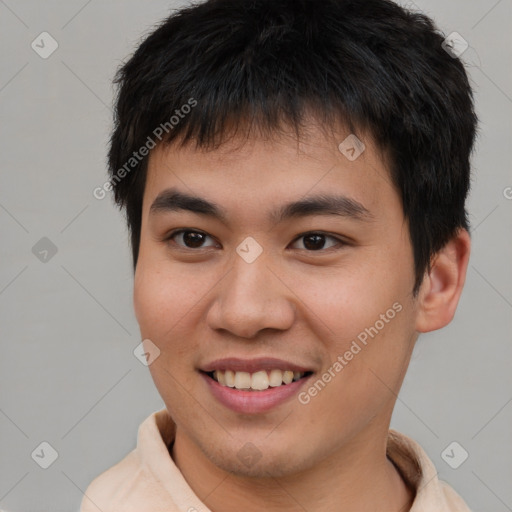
(253, 365)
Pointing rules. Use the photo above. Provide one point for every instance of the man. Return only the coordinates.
(294, 174)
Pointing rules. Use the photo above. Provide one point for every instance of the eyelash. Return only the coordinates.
(341, 242)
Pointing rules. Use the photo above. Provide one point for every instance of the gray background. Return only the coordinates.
(68, 373)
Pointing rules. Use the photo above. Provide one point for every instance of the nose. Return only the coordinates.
(250, 298)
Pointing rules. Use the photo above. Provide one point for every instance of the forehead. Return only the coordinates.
(264, 174)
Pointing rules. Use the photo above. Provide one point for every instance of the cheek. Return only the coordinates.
(362, 377)
(161, 295)
(147, 301)
(167, 305)
(164, 310)
(366, 319)
(346, 300)
(159, 302)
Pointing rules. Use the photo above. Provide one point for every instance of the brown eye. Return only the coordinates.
(190, 239)
(316, 241)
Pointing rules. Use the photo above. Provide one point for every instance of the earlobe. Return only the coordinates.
(442, 286)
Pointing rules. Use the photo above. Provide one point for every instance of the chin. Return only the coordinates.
(253, 463)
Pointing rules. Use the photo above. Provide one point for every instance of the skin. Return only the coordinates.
(200, 303)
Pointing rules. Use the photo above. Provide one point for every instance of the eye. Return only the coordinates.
(191, 239)
(315, 241)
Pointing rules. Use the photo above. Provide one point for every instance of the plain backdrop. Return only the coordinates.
(68, 374)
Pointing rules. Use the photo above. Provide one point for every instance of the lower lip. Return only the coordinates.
(253, 402)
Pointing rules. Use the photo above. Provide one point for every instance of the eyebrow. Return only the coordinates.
(323, 204)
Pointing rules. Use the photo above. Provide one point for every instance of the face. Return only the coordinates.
(324, 292)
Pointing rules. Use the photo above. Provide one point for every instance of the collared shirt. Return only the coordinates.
(148, 480)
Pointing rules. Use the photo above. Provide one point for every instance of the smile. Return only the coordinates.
(257, 381)
(238, 394)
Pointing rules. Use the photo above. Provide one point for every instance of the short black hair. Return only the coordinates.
(242, 65)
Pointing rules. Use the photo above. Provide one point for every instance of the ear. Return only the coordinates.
(441, 287)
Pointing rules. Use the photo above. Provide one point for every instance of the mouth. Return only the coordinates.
(251, 386)
(258, 381)
(254, 386)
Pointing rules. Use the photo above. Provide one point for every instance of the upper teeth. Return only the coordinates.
(258, 381)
